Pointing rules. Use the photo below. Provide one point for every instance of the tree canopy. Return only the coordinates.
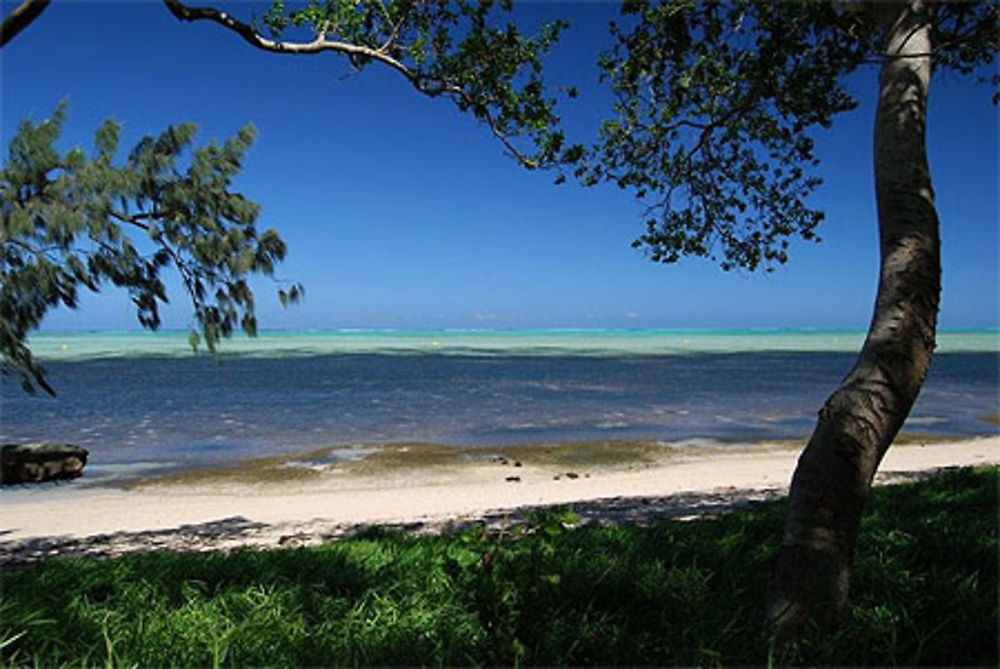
(715, 108)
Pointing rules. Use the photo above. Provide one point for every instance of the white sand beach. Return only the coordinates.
(186, 516)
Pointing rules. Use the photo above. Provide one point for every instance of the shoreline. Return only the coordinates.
(180, 516)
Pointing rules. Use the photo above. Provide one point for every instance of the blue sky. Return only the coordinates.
(401, 212)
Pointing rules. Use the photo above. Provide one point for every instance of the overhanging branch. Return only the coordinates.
(319, 45)
(20, 18)
(431, 86)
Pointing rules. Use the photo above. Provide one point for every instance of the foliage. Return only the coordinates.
(672, 593)
(715, 108)
(70, 220)
(461, 50)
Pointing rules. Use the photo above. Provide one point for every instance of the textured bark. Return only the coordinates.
(861, 418)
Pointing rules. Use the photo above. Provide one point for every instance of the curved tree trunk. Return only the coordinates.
(860, 420)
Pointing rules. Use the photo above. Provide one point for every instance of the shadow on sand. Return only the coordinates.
(237, 531)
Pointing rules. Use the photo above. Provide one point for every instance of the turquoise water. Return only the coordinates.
(86, 345)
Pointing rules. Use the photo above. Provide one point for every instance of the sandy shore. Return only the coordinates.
(191, 516)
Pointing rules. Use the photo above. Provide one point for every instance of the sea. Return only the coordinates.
(143, 403)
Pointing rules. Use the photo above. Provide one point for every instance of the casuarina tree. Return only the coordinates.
(72, 220)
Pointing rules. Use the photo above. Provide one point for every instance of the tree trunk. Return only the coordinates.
(860, 420)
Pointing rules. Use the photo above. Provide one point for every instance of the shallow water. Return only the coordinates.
(143, 402)
(87, 345)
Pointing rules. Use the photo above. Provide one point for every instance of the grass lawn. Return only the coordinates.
(673, 593)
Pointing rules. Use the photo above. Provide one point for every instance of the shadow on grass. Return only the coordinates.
(542, 592)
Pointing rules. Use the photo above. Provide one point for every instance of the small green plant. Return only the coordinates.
(502, 568)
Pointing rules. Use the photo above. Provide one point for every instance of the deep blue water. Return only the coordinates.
(189, 411)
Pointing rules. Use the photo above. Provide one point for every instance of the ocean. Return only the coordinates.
(143, 403)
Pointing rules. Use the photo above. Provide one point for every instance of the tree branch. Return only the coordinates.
(986, 26)
(41, 252)
(136, 219)
(428, 86)
(708, 129)
(185, 13)
(20, 18)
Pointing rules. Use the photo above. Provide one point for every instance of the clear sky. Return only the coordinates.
(401, 212)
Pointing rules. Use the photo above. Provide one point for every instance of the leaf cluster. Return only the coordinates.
(71, 221)
(461, 50)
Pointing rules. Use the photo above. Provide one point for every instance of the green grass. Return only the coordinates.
(674, 593)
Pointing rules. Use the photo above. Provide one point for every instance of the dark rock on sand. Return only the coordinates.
(35, 463)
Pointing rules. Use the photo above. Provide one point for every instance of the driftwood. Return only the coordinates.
(38, 462)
